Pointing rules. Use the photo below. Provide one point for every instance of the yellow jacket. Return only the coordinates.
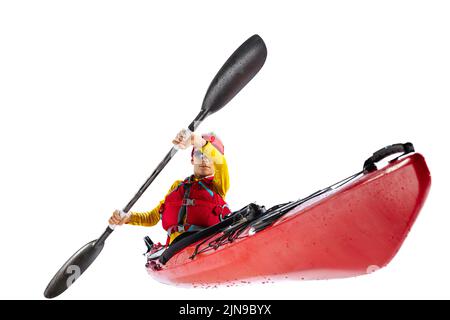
(221, 183)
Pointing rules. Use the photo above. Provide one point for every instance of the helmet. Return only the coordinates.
(215, 141)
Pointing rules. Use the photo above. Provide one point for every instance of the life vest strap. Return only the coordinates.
(188, 202)
(182, 212)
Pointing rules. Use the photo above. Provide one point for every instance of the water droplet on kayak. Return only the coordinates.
(372, 268)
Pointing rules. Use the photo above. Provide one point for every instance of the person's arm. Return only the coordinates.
(149, 218)
(221, 176)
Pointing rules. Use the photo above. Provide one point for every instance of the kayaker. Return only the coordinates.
(195, 202)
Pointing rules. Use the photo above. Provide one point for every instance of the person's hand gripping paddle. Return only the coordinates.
(237, 71)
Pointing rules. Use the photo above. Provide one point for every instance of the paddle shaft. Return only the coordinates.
(192, 127)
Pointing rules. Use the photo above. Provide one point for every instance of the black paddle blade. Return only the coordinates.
(234, 75)
(73, 269)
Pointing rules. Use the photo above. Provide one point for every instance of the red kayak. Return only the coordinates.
(353, 227)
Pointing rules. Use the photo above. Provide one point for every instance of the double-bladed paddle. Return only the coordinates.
(234, 75)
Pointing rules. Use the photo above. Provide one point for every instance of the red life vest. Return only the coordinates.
(193, 205)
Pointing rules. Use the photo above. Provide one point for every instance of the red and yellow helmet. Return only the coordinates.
(214, 140)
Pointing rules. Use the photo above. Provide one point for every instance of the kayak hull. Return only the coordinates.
(350, 231)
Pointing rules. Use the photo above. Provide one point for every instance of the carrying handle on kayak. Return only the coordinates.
(404, 148)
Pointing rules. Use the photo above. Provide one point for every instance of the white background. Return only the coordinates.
(92, 92)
